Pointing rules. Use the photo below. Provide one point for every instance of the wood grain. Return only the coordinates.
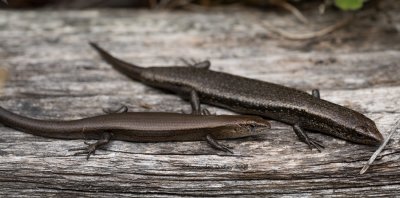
(54, 74)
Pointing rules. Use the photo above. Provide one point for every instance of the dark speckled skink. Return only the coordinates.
(142, 127)
(249, 96)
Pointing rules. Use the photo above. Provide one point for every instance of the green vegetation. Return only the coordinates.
(349, 4)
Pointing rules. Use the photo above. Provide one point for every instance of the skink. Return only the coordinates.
(141, 127)
(249, 96)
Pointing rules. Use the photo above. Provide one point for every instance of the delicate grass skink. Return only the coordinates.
(249, 96)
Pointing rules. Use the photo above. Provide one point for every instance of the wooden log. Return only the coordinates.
(54, 74)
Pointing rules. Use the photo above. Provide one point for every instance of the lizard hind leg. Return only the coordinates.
(196, 106)
(195, 103)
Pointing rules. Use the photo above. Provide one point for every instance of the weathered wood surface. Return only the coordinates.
(54, 74)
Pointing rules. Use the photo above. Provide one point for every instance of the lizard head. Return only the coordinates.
(358, 129)
(367, 134)
(252, 126)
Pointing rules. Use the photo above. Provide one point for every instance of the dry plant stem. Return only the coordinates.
(289, 7)
(310, 35)
(379, 150)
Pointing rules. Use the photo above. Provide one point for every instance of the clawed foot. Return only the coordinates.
(217, 145)
(312, 143)
(225, 149)
(92, 147)
(88, 150)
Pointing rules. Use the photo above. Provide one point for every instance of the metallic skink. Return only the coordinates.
(249, 96)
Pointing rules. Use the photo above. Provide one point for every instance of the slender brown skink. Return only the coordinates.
(249, 96)
(141, 127)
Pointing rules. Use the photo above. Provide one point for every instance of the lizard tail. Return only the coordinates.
(131, 70)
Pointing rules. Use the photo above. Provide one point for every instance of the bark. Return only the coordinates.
(54, 74)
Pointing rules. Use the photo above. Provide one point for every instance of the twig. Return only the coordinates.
(379, 150)
(289, 7)
(310, 35)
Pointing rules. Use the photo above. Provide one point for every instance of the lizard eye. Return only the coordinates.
(252, 127)
(358, 136)
(361, 131)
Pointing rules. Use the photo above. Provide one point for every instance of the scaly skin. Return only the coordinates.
(249, 96)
